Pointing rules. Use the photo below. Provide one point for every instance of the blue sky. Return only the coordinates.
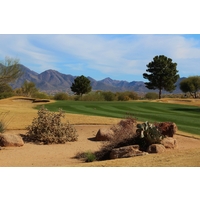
(118, 56)
(100, 39)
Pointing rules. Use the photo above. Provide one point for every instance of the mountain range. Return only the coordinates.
(51, 82)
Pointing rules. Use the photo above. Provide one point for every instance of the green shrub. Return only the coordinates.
(109, 96)
(123, 97)
(61, 96)
(89, 156)
(40, 95)
(151, 95)
(132, 95)
(47, 128)
(5, 95)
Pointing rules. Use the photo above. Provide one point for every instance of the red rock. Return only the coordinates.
(156, 148)
(11, 140)
(104, 134)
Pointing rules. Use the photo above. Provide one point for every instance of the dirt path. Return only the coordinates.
(32, 155)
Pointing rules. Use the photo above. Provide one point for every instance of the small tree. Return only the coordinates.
(191, 85)
(81, 85)
(162, 74)
(29, 88)
(5, 91)
(5, 88)
(9, 70)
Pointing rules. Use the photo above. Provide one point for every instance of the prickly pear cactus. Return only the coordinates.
(148, 134)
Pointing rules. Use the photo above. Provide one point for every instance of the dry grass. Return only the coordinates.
(22, 113)
(192, 102)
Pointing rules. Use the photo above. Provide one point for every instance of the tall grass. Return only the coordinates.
(5, 120)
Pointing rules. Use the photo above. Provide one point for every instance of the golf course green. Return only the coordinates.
(185, 116)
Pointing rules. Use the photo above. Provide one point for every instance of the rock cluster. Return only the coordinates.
(168, 129)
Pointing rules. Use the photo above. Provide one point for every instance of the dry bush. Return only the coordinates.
(47, 128)
(124, 135)
(167, 128)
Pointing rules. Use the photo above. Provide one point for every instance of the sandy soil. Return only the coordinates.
(20, 114)
(32, 155)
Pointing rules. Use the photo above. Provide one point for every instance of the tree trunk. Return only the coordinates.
(159, 95)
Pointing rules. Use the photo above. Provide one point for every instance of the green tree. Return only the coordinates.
(162, 74)
(5, 88)
(28, 88)
(9, 70)
(81, 85)
(191, 85)
(6, 91)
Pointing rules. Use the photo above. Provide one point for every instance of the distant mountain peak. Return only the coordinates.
(52, 81)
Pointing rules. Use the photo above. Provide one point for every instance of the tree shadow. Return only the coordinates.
(186, 109)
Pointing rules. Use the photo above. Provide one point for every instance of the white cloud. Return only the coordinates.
(107, 54)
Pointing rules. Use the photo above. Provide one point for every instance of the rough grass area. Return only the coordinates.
(22, 112)
(183, 113)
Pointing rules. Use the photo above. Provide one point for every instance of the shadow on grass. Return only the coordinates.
(186, 109)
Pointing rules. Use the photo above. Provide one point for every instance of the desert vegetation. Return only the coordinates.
(47, 128)
(128, 134)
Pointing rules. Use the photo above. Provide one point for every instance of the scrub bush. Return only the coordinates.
(47, 128)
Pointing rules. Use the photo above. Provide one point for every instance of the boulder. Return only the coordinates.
(104, 134)
(11, 140)
(156, 148)
(126, 151)
(167, 128)
(169, 142)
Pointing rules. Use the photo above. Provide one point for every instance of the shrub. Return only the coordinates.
(5, 95)
(124, 135)
(89, 156)
(40, 95)
(133, 95)
(47, 128)
(123, 97)
(151, 95)
(109, 96)
(61, 96)
(85, 156)
(6, 91)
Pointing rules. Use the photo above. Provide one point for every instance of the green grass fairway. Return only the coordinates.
(186, 117)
